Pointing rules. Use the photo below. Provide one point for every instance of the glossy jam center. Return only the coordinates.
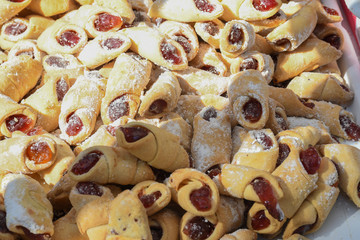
(249, 63)
(310, 159)
(211, 28)
(170, 53)
(198, 228)
(264, 140)
(264, 5)
(106, 22)
(61, 89)
(15, 29)
(209, 113)
(118, 108)
(236, 36)
(201, 198)
(284, 152)
(351, 128)
(89, 188)
(252, 110)
(29, 52)
(204, 6)
(74, 125)
(112, 43)
(334, 40)
(39, 152)
(149, 199)
(331, 11)
(210, 68)
(281, 121)
(259, 221)
(18, 122)
(3, 227)
(86, 162)
(158, 106)
(133, 134)
(184, 42)
(69, 38)
(56, 61)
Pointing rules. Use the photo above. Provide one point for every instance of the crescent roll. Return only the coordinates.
(265, 26)
(123, 7)
(278, 120)
(210, 31)
(9, 9)
(325, 14)
(330, 34)
(252, 10)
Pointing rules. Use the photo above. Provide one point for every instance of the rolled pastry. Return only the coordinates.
(27, 154)
(240, 234)
(9, 9)
(141, 5)
(184, 34)
(252, 10)
(98, 232)
(150, 43)
(19, 76)
(123, 7)
(80, 107)
(66, 228)
(330, 34)
(321, 87)
(103, 48)
(262, 45)
(278, 120)
(62, 37)
(238, 135)
(49, 8)
(162, 97)
(265, 26)
(153, 145)
(236, 37)
(254, 60)
(130, 222)
(153, 195)
(15, 117)
(209, 31)
(26, 47)
(289, 35)
(104, 165)
(347, 159)
(165, 225)
(332, 67)
(259, 149)
(28, 211)
(292, 7)
(194, 191)
(231, 9)
(187, 10)
(310, 55)
(211, 142)
(248, 94)
(326, 14)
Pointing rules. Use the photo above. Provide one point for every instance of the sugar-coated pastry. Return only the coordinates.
(238, 135)
(209, 31)
(123, 7)
(278, 120)
(106, 165)
(330, 34)
(265, 26)
(141, 5)
(166, 224)
(248, 94)
(26, 47)
(186, 10)
(262, 45)
(292, 7)
(231, 9)
(253, 10)
(240, 234)
(65, 228)
(9, 9)
(48, 8)
(332, 67)
(325, 14)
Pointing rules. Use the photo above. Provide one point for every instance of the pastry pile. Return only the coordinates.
(169, 119)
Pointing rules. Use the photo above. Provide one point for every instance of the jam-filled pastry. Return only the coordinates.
(98, 232)
(252, 10)
(236, 37)
(122, 7)
(109, 165)
(32, 154)
(261, 221)
(122, 97)
(162, 97)
(200, 82)
(62, 37)
(278, 120)
(186, 10)
(293, 104)
(262, 45)
(46, 101)
(310, 55)
(291, 34)
(347, 159)
(175, 124)
(209, 31)
(332, 67)
(248, 94)
(80, 107)
(9, 9)
(238, 135)
(15, 117)
(160, 49)
(47, 8)
(317, 206)
(231, 9)
(265, 26)
(158, 147)
(130, 222)
(321, 87)
(19, 76)
(28, 211)
(194, 191)
(254, 60)
(103, 48)
(211, 142)
(65, 228)
(240, 234)
(325, 14)
(26, 47)
(153, 195)
(210, 60)
(331, 34)
(292, 7)
(184, 34)
(259, 149)
(165, 225)
(231, 212)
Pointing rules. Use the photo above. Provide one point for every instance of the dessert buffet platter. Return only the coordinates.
(169, 119)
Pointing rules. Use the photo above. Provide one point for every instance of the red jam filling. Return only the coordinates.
(204, 6)
(344, 87)
(263, 189)
(17, 1)
(213, 171)
(86, 163)
(158, 106)
(264, 140)
(183, 41)
(18, 122)
(259, 221)
(112, 43)
(74, 125)
(156, 232)
(69, 38)
(201, 198)
(310, 159)
(281, 121)
(33, 236)
(351, 128)
(264, 5)
(211, 69)
(284, 152)
(89, 188)
(3, 227)
(249, 63)
(149, 199)
(211, 28)
(209, 113)
(334, 40)
(198, 228)
(236, 36)
(252, 110)
(56, 61)
(118, 108)
(170, 53)
(39, 152)
(105, 22)
(15, 29)
(61, 89)
(133, 134)
(331, 11)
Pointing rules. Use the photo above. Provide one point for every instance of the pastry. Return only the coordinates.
(9, 9)
(330, 34)
(277, 120)
(49, 8)
(209, 31)
(123, 7)
(240, 234)
(165, 225)
(26, 47)
(252, 10)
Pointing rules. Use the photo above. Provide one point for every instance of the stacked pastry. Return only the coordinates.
(168, 119)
